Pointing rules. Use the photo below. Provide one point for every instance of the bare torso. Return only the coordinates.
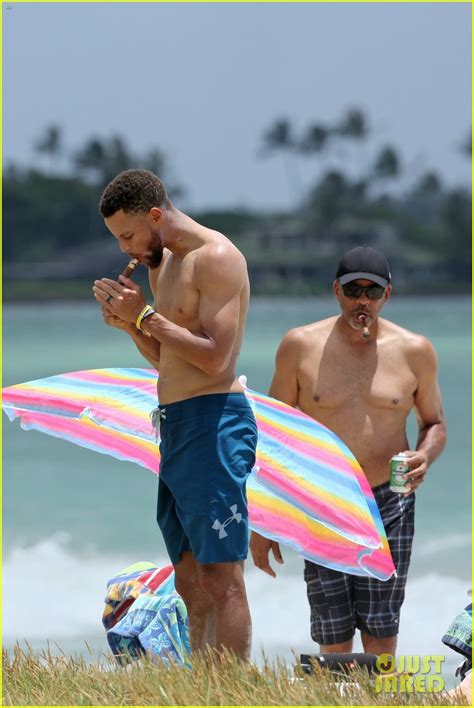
(362, 393)
(177, 298)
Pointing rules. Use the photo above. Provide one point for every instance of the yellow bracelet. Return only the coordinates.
(150, 312)
(147, 310)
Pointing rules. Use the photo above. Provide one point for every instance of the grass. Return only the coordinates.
(43, 679)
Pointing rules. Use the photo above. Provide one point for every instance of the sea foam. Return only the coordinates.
(51, 593)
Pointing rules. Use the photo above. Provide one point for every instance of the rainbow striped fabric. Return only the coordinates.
(307, 489)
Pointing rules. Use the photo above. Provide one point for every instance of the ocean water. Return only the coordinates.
(72, 518)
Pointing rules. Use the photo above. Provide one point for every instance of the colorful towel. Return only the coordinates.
(145, 615)
(458, 636)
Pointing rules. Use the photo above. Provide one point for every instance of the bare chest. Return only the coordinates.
(340, 381)
(176, 296)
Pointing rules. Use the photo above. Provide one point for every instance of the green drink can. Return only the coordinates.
(398, 468)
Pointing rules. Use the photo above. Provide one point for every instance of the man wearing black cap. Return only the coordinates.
(361, 375)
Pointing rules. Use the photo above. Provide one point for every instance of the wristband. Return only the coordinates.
(146, 312)
(151, 311)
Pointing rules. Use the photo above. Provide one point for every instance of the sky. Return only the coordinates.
(204, 81)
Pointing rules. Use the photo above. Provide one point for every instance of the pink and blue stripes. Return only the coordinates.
(306, 491)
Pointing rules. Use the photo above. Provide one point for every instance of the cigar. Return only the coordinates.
(130, 268)
(365, 330)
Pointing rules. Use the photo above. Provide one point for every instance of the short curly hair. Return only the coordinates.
(134, 191)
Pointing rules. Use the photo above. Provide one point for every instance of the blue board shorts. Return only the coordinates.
(340, 602)
(207, 450)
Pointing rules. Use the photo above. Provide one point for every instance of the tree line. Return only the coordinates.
(51, 208)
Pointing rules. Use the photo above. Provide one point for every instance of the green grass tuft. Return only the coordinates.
(43, 679)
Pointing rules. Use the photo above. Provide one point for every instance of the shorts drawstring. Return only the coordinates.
(157, 415)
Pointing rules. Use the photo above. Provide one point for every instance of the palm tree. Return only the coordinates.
(156, 162)
(315, 139)
(279, 138)
(50, 144)
(429, 184)
(119, 158)
(326, 200)
(387, 164)
(92, 157)
(354, 126)
(104, 159)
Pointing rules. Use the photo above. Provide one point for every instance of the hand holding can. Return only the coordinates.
(398, 469)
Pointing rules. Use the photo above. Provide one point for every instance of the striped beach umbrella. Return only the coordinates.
(306, 491)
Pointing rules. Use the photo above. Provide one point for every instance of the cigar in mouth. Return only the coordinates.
(130, 268)
(365, 329)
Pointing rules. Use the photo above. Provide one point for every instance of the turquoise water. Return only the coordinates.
(68, 486)
(72, 517)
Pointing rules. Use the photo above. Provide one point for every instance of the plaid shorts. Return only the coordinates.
(340, 603)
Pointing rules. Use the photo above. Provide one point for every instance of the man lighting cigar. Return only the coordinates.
(361, 375)
(192, 334)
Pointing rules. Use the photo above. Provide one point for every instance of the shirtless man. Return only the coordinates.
(192, 334)
(361, 375)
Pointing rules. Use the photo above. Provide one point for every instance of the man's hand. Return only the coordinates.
(418, 463)
(260, 548)
(112, 320)
(123, 299)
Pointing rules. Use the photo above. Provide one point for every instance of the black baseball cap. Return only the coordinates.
(364, 262)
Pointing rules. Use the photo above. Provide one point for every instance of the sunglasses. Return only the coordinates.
(373, 292)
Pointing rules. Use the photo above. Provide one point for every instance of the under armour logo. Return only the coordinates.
(218, 526)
